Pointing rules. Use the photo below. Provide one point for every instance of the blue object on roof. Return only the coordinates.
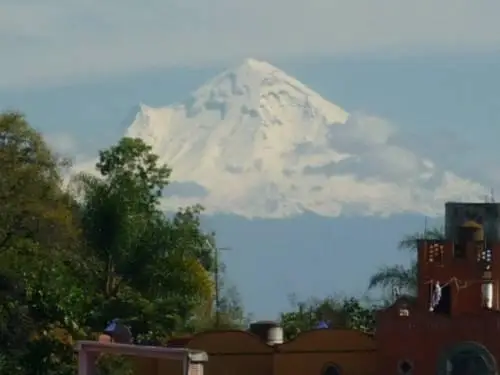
(111, 326)
(322, 325)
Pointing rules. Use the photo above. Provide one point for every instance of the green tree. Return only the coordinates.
(69, 262)
(231, 311)
(347, 313)
(38, 242)
(400, 277)
(33, 205)
(151, 271)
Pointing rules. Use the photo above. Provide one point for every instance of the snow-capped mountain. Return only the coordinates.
(256, 142)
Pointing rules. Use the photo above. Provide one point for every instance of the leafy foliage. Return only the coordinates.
(151, 271)
(38, 245)
(231, 313)
(348, 313)
(72, 260)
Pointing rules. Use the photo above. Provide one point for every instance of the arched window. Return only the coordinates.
(467, 357)
(331, 369)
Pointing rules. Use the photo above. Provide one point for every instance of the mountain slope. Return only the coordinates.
(256, 142)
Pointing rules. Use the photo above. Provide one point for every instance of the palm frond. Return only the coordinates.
(395, 276)
(409, 242)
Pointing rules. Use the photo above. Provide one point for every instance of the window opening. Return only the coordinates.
(405, 367)
(444, 305)
(403, 311)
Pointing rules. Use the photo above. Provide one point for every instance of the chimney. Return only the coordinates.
(270, 332)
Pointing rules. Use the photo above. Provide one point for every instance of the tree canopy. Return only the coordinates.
(73, 259)
(334, 313)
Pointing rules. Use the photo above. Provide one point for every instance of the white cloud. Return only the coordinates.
(68, 146)
(360, 133)
(376, 149)
(56, 41)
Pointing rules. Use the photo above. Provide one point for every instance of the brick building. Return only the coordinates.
(452, 327)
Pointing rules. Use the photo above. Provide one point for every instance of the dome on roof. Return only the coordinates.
(472, 224)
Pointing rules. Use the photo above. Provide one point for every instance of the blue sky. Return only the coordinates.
(432, 68)
(72, 40)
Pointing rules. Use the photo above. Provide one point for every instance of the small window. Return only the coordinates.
(331, 369)
(403, 311)
(405, 367)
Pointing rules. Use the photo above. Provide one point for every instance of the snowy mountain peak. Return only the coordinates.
(257, 88)
(256, 142)
(257, 65)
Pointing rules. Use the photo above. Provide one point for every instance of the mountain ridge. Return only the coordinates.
(262, 144)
